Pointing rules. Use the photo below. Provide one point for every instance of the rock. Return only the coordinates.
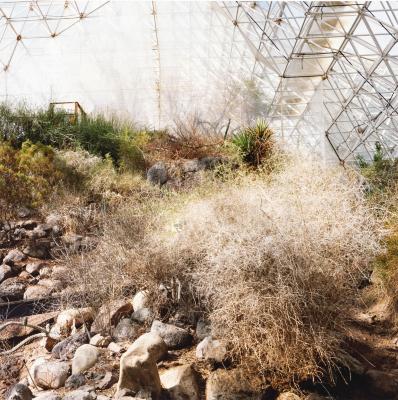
(34, 267)
(382, 384)
(110, 314)
(125, 330)
(157, 174)
(79, 395)
(209, 349)
(12, 289)
(24, 212)
(233, 384)
(209, 162)
(38, 250)
(114, 348)
(75, 316)
(140, 300)
(49, 375)
(48, 395)
(19, 392)
(14, 256)
(288, 396)
(67, 347)
(5, 272)
(173, 336)
(54, 284)
(75, 381)
(203, 329)
(85, 357)
(142, 315)
(102, 397)
(100, 341)
(36, 292)
(138, 369)
(181, 382)
(45, 272)
(107, 381)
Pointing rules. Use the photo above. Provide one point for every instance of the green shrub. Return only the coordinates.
(255, 143)
(27, 176)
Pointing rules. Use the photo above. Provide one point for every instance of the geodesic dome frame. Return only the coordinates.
(324, 73)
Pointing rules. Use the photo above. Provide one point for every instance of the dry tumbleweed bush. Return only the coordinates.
(278, 264)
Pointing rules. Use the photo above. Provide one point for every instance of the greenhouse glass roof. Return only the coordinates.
(323, 73)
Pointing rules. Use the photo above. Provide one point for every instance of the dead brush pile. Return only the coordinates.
(278, 264)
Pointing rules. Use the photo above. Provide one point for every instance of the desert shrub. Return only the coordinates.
(254, 144)
(278, 264)
(27, 176)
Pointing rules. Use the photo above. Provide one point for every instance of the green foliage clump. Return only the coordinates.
(27, 176)
(255, 143)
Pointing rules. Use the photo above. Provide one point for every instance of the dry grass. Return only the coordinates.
(278, 264)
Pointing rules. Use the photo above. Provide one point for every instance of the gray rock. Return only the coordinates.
(100, 341)
(114, 348)
(39, 250)
(50, 375)
(66, 348)
(107, 381)
(85, 357)
(79, 395)
(125, 330)
(37, 292)
(14, 256)
(5, 272)
(157, 174)
(181, 383)
(75, 381)
(173, 336)
(12, 289)
(19, 392)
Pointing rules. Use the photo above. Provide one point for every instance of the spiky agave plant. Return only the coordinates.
(255, 143)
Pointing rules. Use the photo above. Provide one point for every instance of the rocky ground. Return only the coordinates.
(121, 352)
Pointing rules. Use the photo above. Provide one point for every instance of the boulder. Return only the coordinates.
(181, 383)
(157, 174)
(233, 384)
(138, 369)
(12, 289)
(110, 314)
(212, 350)
(19, 392)
(49, 374)
(173, 336)
(75, 381)
(66, 348)
(140, 300)
(125, 330)
(14, 256)
(5, 272)
(100, 341)
(79, 395)
(72, 317)
(85, 357)
(37, 250)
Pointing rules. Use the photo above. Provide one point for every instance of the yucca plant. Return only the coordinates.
(255, 143)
